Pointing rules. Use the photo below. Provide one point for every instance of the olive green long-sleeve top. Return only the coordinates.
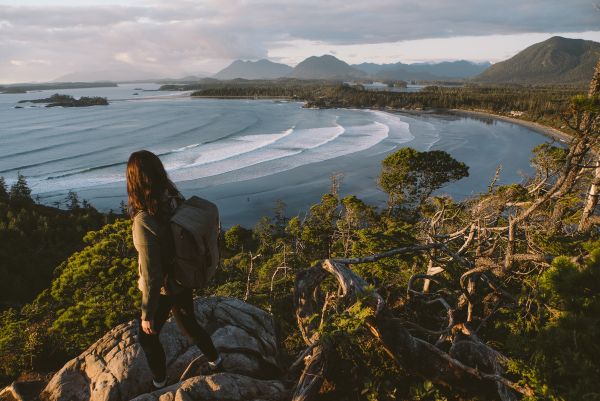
(149, 238)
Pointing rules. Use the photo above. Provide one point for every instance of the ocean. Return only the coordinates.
(243, 154)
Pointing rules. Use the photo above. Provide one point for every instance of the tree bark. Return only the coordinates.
(585, 224)
(470, 368)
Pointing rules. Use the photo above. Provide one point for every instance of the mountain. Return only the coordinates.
(424, 71)
(557, 60)
(261, 69)
(372, 68)
(404, 74)
(325, 67)
(451, 69)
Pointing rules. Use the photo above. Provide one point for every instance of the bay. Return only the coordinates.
(242, 154)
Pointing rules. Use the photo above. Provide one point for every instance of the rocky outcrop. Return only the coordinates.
(219, 387)
(114, 368)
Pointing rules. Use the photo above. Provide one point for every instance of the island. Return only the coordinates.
(69, 101)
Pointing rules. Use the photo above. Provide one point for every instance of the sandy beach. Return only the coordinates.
(542, 129)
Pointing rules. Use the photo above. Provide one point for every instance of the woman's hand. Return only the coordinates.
(148, 326)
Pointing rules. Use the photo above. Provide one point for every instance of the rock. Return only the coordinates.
(10, 393)
(114, 368)
(22, 391)
(217, 387)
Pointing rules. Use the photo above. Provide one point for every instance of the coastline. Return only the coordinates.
(302, 186)
(545, 130)
(541, 128)
(243, 97)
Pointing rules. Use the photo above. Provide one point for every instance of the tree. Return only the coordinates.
(3, 190)
(280, 220)
(548, 159)
(589, 122)
(123, 207)
(72, 200)
(238, 238)
(19, 192)
(409, 177)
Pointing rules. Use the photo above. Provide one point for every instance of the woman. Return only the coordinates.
(152, 198)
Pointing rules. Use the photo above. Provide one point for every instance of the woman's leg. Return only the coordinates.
(183, 310)
(153, 349)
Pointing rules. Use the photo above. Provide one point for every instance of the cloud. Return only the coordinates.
(182, 36)
(21, 63)
(123, 57)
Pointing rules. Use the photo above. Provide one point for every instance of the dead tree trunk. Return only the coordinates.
(471, 367)
(585, 224)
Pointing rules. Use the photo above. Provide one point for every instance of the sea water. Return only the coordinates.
(243, 154)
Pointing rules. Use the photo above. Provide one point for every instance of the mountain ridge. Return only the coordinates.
(557, 60)
(330, 67)
(459, 69)
(260, 69)
(325, 67)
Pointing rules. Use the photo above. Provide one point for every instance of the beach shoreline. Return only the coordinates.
(546, 130)
(543, 129)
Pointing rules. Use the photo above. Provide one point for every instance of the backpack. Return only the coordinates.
(195, 226)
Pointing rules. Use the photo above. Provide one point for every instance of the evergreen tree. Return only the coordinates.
(72, 200)
(123, 207)
(3, 190)
(20, 194)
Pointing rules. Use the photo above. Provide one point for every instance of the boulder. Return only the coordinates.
(22, 391)
(219, 387)
(115, 369)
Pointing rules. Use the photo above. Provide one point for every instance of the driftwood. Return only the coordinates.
(470, 366)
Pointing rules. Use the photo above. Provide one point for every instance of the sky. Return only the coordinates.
(41, 40)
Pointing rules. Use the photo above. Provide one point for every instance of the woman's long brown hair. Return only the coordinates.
(147, 181)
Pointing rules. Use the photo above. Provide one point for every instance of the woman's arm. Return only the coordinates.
(146, 241)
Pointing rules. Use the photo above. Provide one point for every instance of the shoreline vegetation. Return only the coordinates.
(539, 108)
(58, 100)
(243, 97)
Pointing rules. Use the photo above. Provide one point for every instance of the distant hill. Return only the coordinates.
(557, 60)
(325, 67)
(261, 69)
(451, 69)
(424, 71)
(404, 74)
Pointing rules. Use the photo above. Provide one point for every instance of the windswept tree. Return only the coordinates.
(409, 177)
(585, 112)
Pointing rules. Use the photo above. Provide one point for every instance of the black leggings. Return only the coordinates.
(182, 306)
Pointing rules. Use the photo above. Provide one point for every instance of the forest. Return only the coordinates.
(58, 100)
(496, 297)
(545, 105)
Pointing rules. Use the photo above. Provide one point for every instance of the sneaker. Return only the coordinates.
(216, 363)
(158, 385)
